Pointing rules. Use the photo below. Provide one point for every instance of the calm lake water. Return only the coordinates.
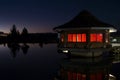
(35, 63)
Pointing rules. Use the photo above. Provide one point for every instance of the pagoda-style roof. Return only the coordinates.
(84, 20)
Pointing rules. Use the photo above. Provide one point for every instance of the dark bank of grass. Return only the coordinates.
(30, 38)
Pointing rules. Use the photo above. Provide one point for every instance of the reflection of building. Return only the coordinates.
(86, 69)
(84, 32)
(116, 58)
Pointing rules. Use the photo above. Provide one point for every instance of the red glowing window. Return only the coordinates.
(79, 39)
(74, 76)
(78, 76)
(83, 37)
(70, 37)
(92, 77)
(83, 77)
(93, 37)
(99, 37)
(76, 37)
(69, 75)
(97, 76)
(96, 37)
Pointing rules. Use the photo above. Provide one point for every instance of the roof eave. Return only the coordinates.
(111, 29)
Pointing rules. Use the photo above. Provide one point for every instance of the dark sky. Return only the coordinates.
(43, 15)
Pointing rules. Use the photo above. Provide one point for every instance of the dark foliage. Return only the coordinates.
(15, 37)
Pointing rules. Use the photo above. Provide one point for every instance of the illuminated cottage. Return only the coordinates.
(84, 35)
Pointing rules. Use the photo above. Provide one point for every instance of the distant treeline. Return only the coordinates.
(24, 37)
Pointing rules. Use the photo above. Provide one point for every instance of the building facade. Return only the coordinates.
(84, 35)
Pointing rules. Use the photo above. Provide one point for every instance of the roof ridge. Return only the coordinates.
(84, 19)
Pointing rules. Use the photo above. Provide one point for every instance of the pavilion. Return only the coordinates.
(84, 35)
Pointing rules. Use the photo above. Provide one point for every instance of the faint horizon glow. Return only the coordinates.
(4, 29)
(31, 29)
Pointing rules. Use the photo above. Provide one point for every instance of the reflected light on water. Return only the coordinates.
(44, 63)
(112, 77)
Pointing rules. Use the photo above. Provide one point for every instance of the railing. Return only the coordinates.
(83, 45)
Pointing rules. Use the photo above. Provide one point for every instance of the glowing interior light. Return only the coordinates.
(114, 40)
(96, 37)
(65, 51)
(112, 30)
(106, 40)
(77, 37)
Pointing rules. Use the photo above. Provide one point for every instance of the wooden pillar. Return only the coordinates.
(88, 38)
(65, 42)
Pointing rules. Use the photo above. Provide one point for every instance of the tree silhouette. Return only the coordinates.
(24, 31)
(24, 35)
(14, 34)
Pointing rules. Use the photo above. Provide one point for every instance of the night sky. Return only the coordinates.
(44, 15)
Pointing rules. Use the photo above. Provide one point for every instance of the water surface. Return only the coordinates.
(36, 62)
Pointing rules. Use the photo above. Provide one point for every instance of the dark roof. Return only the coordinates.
(84, 19)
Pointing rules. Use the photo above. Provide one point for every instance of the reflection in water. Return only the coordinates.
(41, 45)
(86, 69)
(116, 58)
(116, 65)
(25, 48)
(35, 66)
(15, 48)
(32, 66)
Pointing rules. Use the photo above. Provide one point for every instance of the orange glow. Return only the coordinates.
(76, 37)
(93, 37)
(96, 37)
(70, 37)
(79, 38)
(79, 76)
(83, 37)
(99, 37)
